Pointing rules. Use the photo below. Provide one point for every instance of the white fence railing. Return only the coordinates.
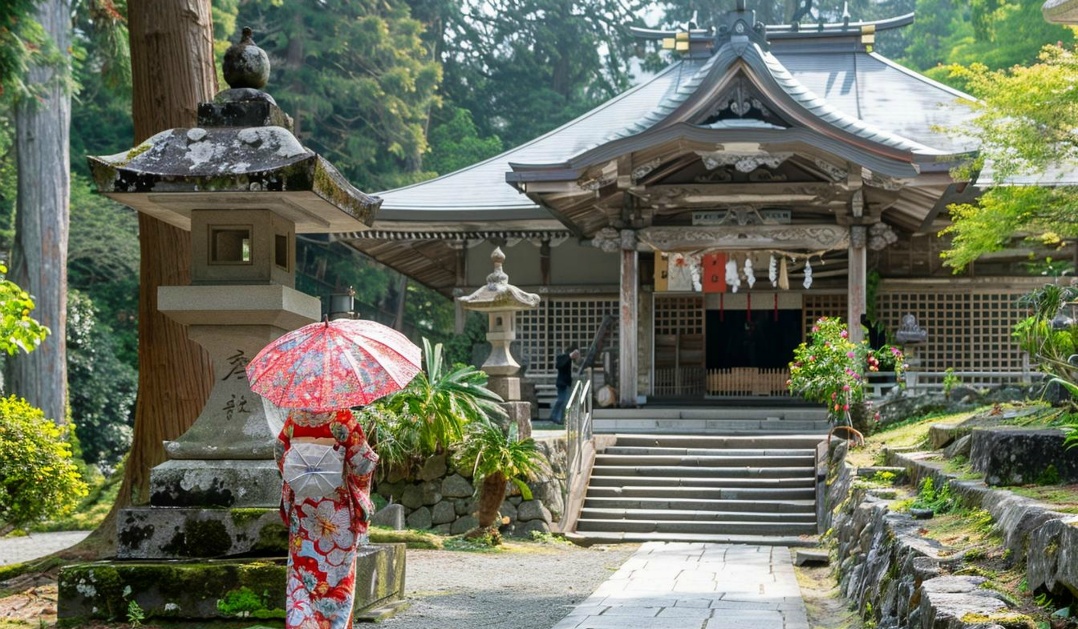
(578, 429)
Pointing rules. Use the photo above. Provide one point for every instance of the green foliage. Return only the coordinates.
(103, 263)
(1050, 476)
(134, 612)
(1050, 345)
(455, 142)
(245, 603)
(38, 479)
(18, 330)
(1025, 117)
(488, 450)
(358, 80)
(459, 348)
(950, 381)
(939, 500)
(92, 509)
(101, 388)
(432, 412)
(523, 67)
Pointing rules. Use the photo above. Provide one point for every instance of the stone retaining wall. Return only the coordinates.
(442, 498)
(901, 580)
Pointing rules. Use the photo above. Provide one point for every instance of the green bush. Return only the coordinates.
(38, 479)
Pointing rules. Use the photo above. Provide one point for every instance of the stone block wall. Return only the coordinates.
(442, 498)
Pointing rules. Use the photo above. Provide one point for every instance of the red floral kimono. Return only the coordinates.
(323, 532)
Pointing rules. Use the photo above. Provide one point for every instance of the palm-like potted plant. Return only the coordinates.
(432, 413)
(496, 458)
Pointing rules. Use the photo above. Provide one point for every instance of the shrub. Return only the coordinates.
(828, 370)
(38, 478)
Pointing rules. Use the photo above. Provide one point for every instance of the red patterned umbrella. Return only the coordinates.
(334, 364)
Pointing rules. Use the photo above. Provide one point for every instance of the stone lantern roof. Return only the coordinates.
(499, 295)
(242, 155)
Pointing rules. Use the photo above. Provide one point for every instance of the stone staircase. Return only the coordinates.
(740, 488)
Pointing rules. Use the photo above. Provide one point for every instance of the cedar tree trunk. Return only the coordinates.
(172, 68)
(39, 253)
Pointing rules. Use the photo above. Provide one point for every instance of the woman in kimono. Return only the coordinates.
(324, 530)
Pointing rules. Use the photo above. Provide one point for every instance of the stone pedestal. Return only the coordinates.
(224, 463)
(207, 591)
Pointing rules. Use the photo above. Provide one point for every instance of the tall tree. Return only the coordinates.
(358, 80)
(172, 67)
(522, 67)
(39, 253)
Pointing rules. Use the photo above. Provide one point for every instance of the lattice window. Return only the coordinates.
(967, 331)
(820, 305)
(559, 323)
(679, 314)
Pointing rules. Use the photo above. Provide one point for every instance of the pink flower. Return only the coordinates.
(844, 334)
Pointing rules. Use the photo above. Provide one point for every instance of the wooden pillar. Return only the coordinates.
(629, 299)
(858, 276)
(461, 281)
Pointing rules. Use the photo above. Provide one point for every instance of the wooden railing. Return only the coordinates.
(746, 381)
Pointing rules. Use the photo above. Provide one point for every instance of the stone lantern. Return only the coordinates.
(501, 300)
(243, 186)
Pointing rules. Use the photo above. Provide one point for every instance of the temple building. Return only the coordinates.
(771, 175)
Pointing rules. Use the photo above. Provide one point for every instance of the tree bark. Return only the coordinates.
(491, 496)
(39, 253)
(172, 69)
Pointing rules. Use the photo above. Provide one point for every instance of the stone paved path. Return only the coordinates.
(668, 585)
(20, 549)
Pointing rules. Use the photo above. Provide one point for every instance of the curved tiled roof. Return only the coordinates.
(864, 95)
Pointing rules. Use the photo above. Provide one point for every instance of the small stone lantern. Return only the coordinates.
(500, 300)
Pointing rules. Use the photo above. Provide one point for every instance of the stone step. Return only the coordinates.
(739, 458)
(703, 493)
(690, 515)
(650, 451)
(801, 413)
(585, 525)
(737, 442)
(718, 481)
(676, 471)
(604, 537)
(697, 504)
(707, 426)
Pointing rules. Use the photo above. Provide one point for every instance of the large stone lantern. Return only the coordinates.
(243, 186)
(501, 300)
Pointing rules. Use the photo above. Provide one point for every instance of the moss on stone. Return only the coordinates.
(1007, 620)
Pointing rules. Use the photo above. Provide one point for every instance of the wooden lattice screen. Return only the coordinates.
(967, 331)
(816, 305)
(680, 349)
(559, 323)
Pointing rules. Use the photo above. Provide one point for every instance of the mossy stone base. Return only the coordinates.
(187, 533)
(210, 590)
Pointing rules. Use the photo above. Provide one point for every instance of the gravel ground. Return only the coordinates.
(523, 586)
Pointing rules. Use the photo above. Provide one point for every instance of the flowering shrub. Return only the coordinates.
(886, 358)
(830, 369)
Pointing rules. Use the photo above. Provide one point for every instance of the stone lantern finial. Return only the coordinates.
(499, 295)
(245, 64)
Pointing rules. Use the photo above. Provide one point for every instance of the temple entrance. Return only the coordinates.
(724, 345)
(748, 352)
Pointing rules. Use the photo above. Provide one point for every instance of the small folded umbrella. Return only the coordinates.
(331, 365)
(313, 470)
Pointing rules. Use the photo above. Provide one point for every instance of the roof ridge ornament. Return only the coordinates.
(740, 28)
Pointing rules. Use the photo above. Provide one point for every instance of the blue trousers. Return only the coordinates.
(557, 412)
